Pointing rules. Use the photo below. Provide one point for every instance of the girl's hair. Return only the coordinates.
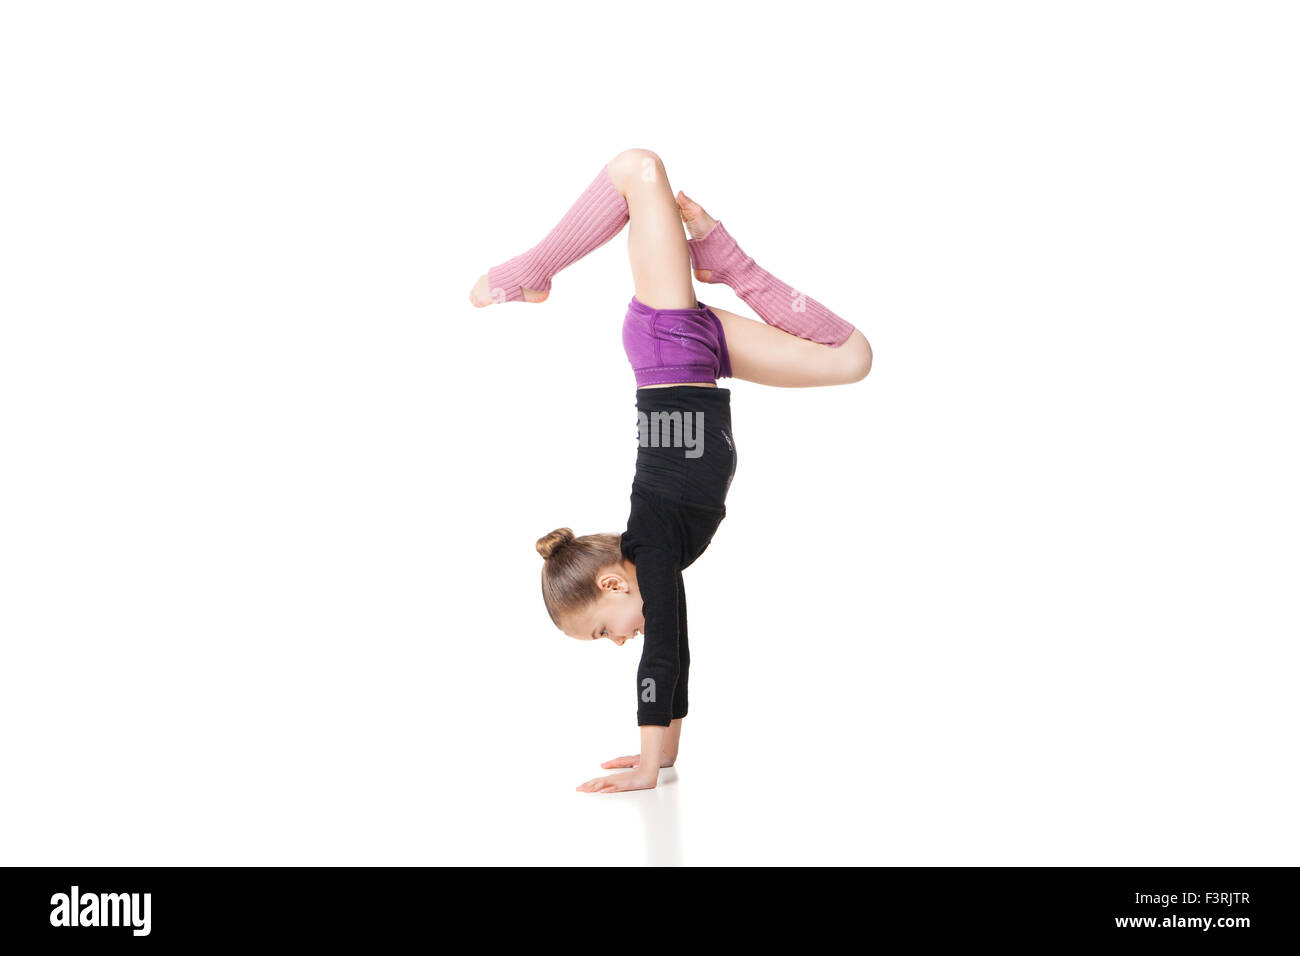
(570, 568)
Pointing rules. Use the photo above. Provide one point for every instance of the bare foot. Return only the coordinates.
(698, 223)
(481, 294)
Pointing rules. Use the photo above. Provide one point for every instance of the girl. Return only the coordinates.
(616, 586)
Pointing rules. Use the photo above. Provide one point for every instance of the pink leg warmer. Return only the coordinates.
(596, 218)
(775, 302)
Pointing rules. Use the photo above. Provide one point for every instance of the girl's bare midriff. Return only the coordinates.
(674, 384)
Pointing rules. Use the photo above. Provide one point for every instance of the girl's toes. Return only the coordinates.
(698, 222)
(481, 294)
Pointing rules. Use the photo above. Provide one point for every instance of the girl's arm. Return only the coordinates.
(657, 574)
(672, 740)
(668, 756)
(646, 774)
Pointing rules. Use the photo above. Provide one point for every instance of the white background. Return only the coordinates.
(268, 587)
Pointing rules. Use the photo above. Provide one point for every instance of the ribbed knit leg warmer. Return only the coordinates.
(596, 218)
(775, 302)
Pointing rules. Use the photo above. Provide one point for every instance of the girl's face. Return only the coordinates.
(616, 614)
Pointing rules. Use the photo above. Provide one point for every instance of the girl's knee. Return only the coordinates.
(857, 358)
(637, 165)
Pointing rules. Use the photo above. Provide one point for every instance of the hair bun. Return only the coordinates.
(549, 544)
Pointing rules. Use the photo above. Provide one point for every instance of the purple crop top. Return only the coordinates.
(675, 345)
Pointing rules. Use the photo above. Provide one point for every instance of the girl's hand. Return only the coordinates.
(634, 761)
(628, 780)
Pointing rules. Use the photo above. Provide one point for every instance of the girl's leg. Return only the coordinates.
(800, 344)
(597, 216)
(765, 354)
(656, 245)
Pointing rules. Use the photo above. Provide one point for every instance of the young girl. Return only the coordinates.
(616, 586)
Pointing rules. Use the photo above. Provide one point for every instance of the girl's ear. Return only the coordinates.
(612, 580)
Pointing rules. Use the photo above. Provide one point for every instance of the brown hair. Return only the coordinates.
(570, 568)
